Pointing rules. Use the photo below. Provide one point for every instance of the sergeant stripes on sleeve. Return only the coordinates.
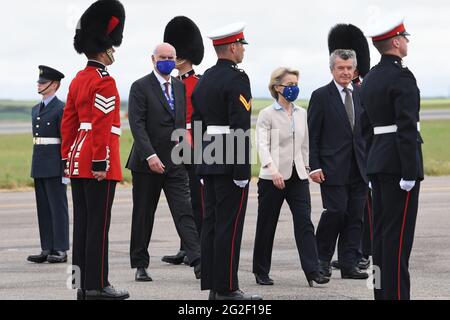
(106, 105)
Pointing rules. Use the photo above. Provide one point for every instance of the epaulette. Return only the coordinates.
(235, 67)
(103, 73)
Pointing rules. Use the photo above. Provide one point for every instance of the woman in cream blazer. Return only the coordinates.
(283, 148)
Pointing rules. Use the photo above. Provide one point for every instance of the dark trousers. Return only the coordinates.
(367, 234)
(197, 200)
(394, 215)
(270, 200)
(92, 203)
(146, 193)
(53, 215)
(343, 218)
(225, 205)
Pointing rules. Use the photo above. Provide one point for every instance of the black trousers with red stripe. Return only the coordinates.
(367, 230)
(394, 217)
(197, 201)
(92, 203)
(225, 206)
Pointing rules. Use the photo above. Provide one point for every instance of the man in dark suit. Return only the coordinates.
(47, 170)
(157, 107)
(391, 100)
(337, 162)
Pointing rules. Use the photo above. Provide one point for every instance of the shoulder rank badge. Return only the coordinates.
(247, 104)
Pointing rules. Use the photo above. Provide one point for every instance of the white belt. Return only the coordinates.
(389, 129)
(188, 126)
(88, 126)
(218, 129)
(46, 141)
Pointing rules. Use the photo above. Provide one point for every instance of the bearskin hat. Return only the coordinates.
(348, 36)
(184, 35)
(100, 27)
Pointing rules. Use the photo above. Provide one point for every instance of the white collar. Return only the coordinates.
(341, 88)
(161, 79)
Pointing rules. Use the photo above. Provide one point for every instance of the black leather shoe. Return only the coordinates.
(212, 295)
(107, 293)
(335, 265)
(176, 259)
(39, 258)
(81, 294)
(142, 275)
(237, 295)
(263, 280)
(57, 257)
(198, 271)
(353, 273)
(316, 277)
(364, 264)
(186, 261)
(325, 268)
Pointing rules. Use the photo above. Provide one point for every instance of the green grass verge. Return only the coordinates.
(16, 150)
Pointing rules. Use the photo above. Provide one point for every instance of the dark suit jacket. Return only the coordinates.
(331, 140)
(152, 122)
(46, 162)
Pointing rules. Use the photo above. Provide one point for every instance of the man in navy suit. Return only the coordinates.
(47, 170)
(337, 162)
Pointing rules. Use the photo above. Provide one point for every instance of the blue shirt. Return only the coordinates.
(278, 107)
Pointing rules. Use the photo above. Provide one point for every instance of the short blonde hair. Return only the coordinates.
(277, 78)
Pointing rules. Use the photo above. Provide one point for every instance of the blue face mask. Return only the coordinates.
(290, 93)
(165, 66)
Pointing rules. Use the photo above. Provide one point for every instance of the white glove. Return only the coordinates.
(370, 185)
(241, 183)
(202, 182)
(65, 180)
(407, 185)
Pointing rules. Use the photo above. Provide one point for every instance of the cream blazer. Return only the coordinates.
(281, 142)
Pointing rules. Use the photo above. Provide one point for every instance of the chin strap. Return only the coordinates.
(110, 54)
(40, 92)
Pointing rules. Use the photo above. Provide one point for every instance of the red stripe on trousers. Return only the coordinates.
(104, 235)
(369, 209)
(401, 244)
(233, 239)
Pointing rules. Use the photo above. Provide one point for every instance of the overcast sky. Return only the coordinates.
(280, 33)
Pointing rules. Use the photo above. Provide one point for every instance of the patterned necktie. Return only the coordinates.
(169, 100)
(349, 107)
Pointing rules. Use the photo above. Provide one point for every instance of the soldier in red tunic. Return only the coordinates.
(90, 133)
(184, 35)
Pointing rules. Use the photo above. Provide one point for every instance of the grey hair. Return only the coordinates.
(344, 54)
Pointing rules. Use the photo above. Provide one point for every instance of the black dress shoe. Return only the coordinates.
(176, 259)
(364, 264)
(107, 293)
(263, 280)
(335, 264)
(353, 273)
(39, 258)
(81, 294)
(212, 295)
(142, 275)
(325, 268)
(316, 277)
(237, 295)
(57, 257)
(186, 261)
(198, 271)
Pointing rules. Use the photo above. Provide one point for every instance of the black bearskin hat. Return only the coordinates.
(348, 36)
(184, 35)
(100, 27)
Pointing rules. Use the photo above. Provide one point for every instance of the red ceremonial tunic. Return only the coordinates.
(90, 128)
(190, 80)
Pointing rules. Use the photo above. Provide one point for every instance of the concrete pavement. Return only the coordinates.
(429, 265)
